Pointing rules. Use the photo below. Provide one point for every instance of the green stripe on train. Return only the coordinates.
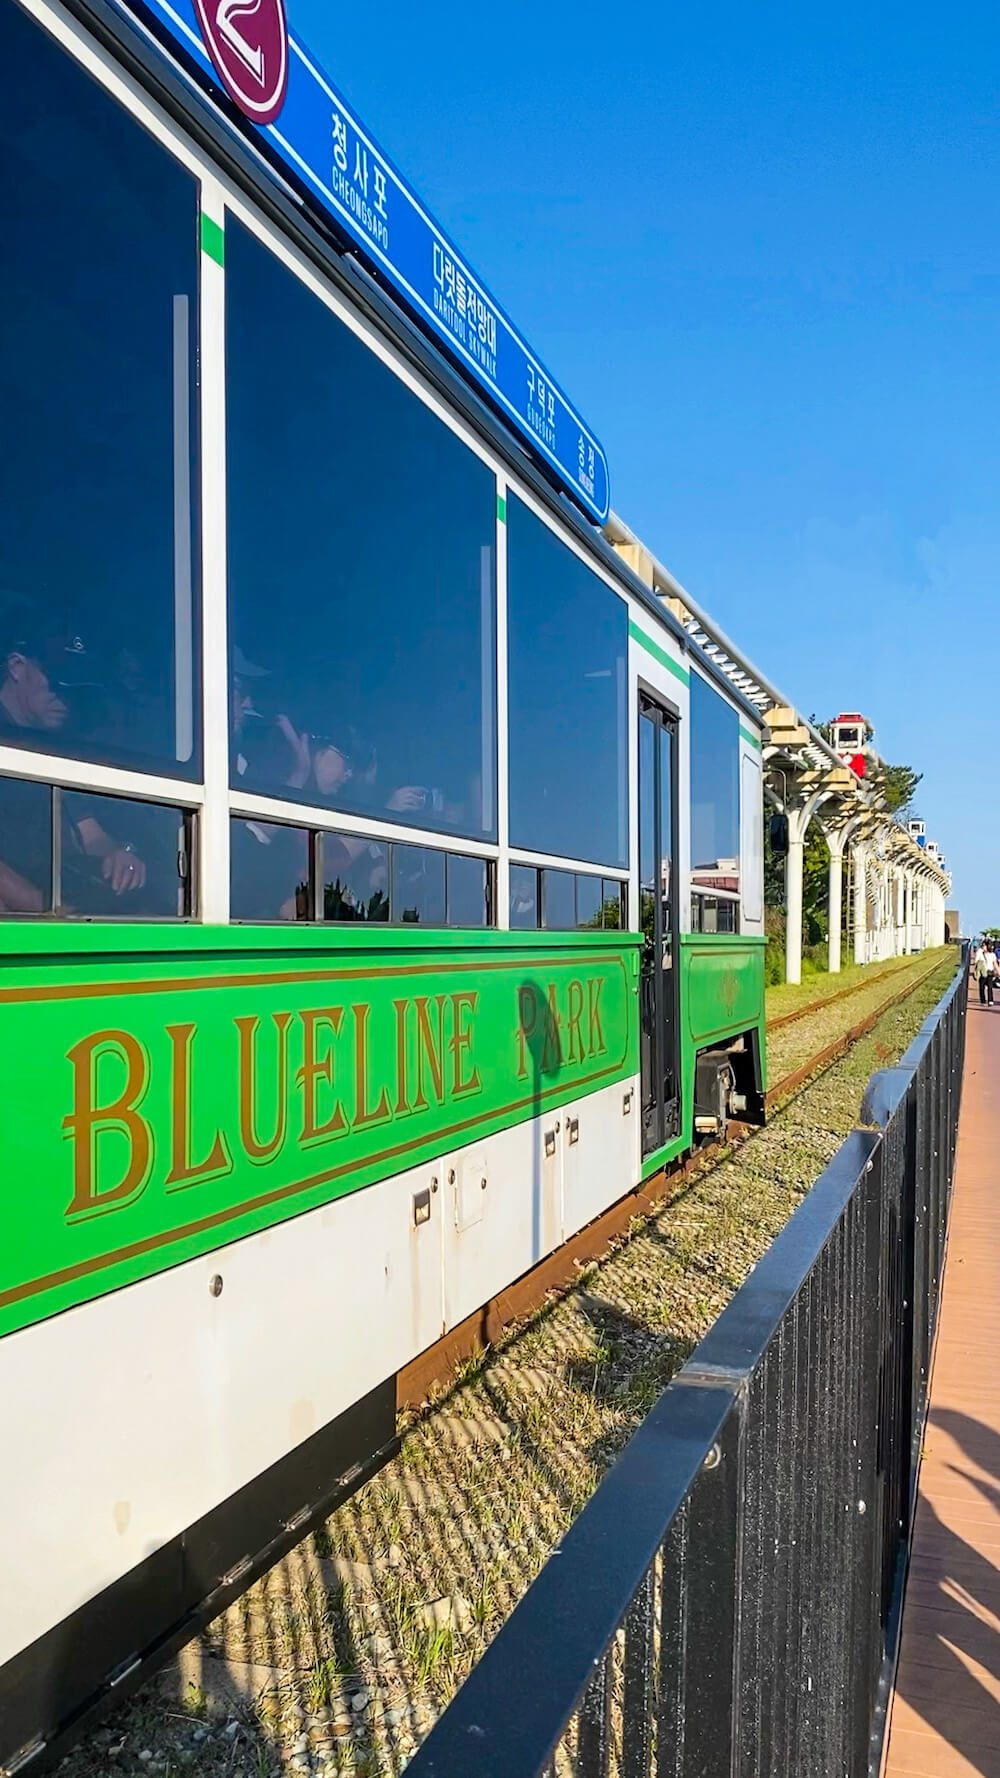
(163, 1102)
(213, 239)
(658, 653)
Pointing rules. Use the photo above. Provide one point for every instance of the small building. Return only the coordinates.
(850, 738)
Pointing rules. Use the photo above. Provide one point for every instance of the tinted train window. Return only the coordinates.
(97, 372)
(281, 872)
(270, 870)
(564, 901)
(355, 878)
(25, 847)
(468, 889)
(558, 899)
(589, 901)
(715, 790)
(524, 904)
(362, 562)
(417, 886)
(712, 913)
(121, 858)
(567, 639)
(100, 857)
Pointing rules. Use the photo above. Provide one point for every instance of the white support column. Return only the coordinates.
(908, 909)
(859, 860)
(837, 840)
(938, 914)
(793, 905)
(835, 907)
(799, 817)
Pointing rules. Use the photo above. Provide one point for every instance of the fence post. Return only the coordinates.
(698, 1728)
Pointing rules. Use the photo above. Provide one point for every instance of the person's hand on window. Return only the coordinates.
(123, 870)
(298, 776)
(119, 865)
(17, 895)
(409, 796)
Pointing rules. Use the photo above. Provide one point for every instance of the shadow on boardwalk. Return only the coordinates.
(949, 1673)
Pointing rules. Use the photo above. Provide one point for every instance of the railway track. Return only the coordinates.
(864, 981)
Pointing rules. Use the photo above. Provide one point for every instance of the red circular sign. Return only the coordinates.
(248, 43)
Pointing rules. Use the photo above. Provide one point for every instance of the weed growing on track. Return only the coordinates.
(339, 1660)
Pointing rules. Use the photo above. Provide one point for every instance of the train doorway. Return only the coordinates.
(658, 923)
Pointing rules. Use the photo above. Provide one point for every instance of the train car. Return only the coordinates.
(380, 863)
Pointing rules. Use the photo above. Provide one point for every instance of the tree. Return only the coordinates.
(894, 786)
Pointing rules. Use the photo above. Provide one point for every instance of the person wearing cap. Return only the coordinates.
(35, 673)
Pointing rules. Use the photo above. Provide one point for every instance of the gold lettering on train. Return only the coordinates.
(460, 1043)
(183, 1169)
(90, 1120)
(318, 1076)
(365, 1114)
(250, 1076)
(316, 1068)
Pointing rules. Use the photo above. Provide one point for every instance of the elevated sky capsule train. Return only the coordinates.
(380, 871)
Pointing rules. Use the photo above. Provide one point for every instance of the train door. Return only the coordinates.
(658, 922)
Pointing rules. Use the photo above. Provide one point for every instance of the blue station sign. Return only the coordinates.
(246, 48)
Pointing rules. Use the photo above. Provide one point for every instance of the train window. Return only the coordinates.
(613, 908)
(283, 873)
(25, 847)
(97, 367)
(99, 857)
(362, 570)
(468, 891)
(715, 790)
(714, 913)
(270, 871)
(558, 899)
(355, 878)
(589, 902)
(524, 904)
(562, 900)
(567, 640)
(417, 896)
(121, 858)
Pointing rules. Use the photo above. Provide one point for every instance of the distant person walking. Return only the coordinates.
(985, 966)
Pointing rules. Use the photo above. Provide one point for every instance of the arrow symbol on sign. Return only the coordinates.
(251, 54)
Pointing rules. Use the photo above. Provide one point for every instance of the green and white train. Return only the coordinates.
(380, 865)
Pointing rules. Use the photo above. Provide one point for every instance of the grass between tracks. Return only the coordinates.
(341, 1657)
(786, 998)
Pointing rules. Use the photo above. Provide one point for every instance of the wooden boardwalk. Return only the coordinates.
(946, 1707)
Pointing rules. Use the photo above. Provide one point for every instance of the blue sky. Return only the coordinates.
(758, 246)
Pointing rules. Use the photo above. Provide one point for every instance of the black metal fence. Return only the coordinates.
(728, 1602)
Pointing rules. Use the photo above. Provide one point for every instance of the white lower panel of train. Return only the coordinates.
(128, 1419)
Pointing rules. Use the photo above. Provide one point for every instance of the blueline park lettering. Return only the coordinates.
(356, 1068)
(158, 1109)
